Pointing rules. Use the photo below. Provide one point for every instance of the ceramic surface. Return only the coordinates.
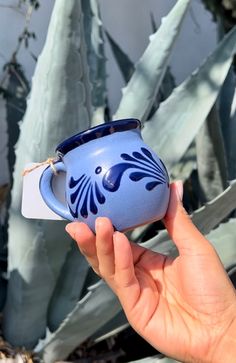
(110, 172)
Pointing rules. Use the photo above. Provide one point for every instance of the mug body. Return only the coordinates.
(115, 175)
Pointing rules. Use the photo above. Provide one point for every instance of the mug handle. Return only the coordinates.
(45, 187)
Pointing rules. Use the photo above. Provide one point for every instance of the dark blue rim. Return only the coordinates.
(97, 132)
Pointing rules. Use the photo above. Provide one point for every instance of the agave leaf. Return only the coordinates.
(156, 358)
(68, 288)
(211, 160)
(232, 274)
(90, 313)
(96, 57)
(4, 180)
(4, 184)
(173, 127)
(5, 173)
(167, 85)
(127, 69)
(227, 107)
(168, 82)
(183, 169)
(141, 91)
(117, 324)
(223, 239)
(153, 22)
(205, 219)
(17, 90)
(212, 213)
(3, 290)
(125, 64)
(59, 105)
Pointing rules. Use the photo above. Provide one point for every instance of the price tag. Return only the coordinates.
(33, 205)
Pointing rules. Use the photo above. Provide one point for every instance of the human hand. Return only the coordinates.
(186, 306)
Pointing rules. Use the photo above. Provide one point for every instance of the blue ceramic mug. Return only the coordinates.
(110, 172)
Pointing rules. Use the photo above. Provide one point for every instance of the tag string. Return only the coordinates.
(49, 161)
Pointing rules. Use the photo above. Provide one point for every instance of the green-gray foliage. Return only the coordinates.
(59, 105)
(97, 307)
(211, 158)
(126, 66)
(96, 58)
(227, 113)
(54, 300)
(17, 89)
(4, 185)
(178, 119)
(141, 91)
(69, 287)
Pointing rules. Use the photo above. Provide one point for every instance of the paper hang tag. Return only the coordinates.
(33, 205)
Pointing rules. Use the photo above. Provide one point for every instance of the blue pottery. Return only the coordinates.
(110, 172)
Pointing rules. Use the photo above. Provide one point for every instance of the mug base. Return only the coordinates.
(138, 225)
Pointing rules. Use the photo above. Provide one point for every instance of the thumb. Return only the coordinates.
(181, 229)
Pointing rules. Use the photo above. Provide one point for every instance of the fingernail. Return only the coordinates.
(98, 222)
(70, 228)
(116, 236)
(179, 190)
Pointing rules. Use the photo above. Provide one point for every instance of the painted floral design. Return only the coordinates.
(145, 165)
(86, 194)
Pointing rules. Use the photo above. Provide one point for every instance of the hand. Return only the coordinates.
(185, 307)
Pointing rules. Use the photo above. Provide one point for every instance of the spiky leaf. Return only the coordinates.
(93, 311)
(173, 127)
(227, 108)
(125, 64)
(4, 185)
(69, 287)
(117, 324)
(96, 58)
(5, 173)
(59, 106)
(156, 358)
(17, 90)
(211, 158)
(141, 91)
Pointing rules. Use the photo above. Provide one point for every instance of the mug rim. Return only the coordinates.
(105, 129)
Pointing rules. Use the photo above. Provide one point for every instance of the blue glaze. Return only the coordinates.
(74, 182)
(110, 172)
(98, 170)
(96, 132)
(74, 195)
(84, 198)
(93, 206)
(112, 179)
(151, 185)
(100, 197)
(84, 209)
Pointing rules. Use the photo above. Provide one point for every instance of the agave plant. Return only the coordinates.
(55, 301)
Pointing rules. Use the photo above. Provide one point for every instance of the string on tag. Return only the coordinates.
(49, 161)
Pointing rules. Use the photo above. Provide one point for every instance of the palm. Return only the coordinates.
(182, 306)
(173, 296)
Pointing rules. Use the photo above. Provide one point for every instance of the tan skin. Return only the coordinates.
(184, 306)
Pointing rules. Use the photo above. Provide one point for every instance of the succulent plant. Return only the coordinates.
(55, 301)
